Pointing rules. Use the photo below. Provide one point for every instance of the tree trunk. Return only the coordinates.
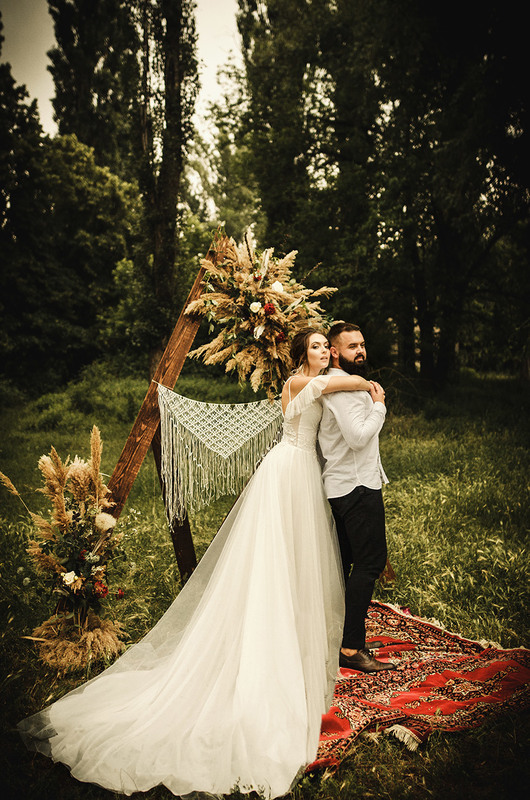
(427, 371)
(446, 357)
(168, 72)
(170, 173)
(407, 341)
(425, 316)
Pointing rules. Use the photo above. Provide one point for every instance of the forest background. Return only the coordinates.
(386, 142)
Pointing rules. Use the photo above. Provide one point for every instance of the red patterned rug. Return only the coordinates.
(442, 683)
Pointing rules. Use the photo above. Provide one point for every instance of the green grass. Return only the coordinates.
(457, 521)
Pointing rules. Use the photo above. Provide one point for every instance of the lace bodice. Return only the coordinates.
(302, 415)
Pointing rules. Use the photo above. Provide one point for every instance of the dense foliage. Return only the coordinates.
(64, 223)
(384, 141)
(126, 81)
(95, 71)
(388, 140)
(94, 221)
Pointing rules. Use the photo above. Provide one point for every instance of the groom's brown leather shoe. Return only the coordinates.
(364, 661)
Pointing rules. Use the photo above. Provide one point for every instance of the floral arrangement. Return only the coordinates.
(73, 549)
(260, 306)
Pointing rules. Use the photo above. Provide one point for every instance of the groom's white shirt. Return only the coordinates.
(349, 441)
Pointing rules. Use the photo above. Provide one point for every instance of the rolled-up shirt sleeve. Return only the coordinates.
(357, 427)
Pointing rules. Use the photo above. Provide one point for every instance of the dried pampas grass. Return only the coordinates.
(66, 648)
(43, 562)
(72, 547)
(259, 306)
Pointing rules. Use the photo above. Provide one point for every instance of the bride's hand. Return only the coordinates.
(377, 392)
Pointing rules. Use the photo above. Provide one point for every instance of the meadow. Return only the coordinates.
(457, 523)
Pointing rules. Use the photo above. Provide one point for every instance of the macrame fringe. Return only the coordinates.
(209, 449)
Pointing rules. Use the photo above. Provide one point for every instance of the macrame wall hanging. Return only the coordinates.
(211, 449)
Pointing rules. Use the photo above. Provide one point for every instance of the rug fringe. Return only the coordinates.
(488, 643)
(407, 737)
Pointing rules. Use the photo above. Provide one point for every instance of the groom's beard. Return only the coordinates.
(353, 367)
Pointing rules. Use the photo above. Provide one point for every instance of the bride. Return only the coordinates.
(228, 689)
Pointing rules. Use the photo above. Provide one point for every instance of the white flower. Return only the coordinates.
(255, 307)
(104, 522)
(26, 582)
(277, 287)
(69, 578)
(258, 330)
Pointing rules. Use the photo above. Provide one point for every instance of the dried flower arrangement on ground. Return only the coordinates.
(73, 549)
(260, 306)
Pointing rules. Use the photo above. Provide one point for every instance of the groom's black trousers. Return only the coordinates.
(360, 521)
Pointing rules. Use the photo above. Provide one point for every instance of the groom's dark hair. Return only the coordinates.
(339, 327)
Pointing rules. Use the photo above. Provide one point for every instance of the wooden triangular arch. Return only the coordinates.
(145, 431)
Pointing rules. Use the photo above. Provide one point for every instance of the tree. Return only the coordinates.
(20, 138)
(20, 142)
(168, 92)
(276, 47)
(312, 108)
(446, 161)
(96, 73)
(411, 130)
(126, 81)
(64, 223)
(223, 166)
(66, 226)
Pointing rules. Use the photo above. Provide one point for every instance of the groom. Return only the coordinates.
(353, 475)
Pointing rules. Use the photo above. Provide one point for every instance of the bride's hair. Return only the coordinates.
(299, 345)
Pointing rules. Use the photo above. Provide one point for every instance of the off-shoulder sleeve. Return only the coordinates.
(311, 392)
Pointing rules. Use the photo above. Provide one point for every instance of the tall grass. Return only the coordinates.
(457, 522)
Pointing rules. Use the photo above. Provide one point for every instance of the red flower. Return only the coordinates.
(257, 277)
(100, 589)
(281, 337)
(269, 308)
(120, 593)
(82, 555)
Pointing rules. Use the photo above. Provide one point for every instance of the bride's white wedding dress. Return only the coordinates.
(229, 687)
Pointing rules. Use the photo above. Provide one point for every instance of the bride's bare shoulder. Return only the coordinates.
(292, 387)
(296, 383)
